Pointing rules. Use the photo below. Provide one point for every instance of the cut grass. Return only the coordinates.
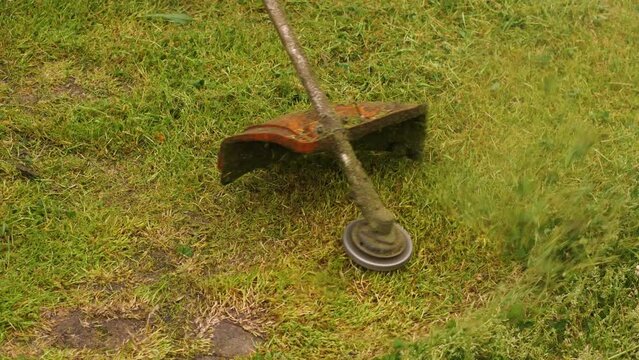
(524, 213)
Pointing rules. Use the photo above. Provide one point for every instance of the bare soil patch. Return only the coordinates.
(70, 88)
(78, 330)
(230, 340)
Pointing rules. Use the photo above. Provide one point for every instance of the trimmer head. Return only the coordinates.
(369, 126)
(392, 251)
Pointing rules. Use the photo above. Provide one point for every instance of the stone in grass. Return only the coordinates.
(231, 340)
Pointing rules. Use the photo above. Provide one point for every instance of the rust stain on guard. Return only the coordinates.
(260, 145)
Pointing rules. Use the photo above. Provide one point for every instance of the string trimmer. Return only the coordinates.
(377, 241)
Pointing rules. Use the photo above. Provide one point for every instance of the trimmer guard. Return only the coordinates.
(370, 126)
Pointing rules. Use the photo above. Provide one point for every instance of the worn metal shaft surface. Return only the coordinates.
(380, 219)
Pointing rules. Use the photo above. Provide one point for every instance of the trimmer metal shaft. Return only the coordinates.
(365, 196)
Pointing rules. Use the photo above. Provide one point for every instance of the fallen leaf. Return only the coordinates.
(181, 19)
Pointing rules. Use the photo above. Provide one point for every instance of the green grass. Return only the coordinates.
(524, 212)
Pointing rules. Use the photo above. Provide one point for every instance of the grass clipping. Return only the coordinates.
(575, 235)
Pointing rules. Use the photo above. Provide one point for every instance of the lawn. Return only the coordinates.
(524, 210)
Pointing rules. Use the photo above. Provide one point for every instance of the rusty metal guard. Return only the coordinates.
(258, 146)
